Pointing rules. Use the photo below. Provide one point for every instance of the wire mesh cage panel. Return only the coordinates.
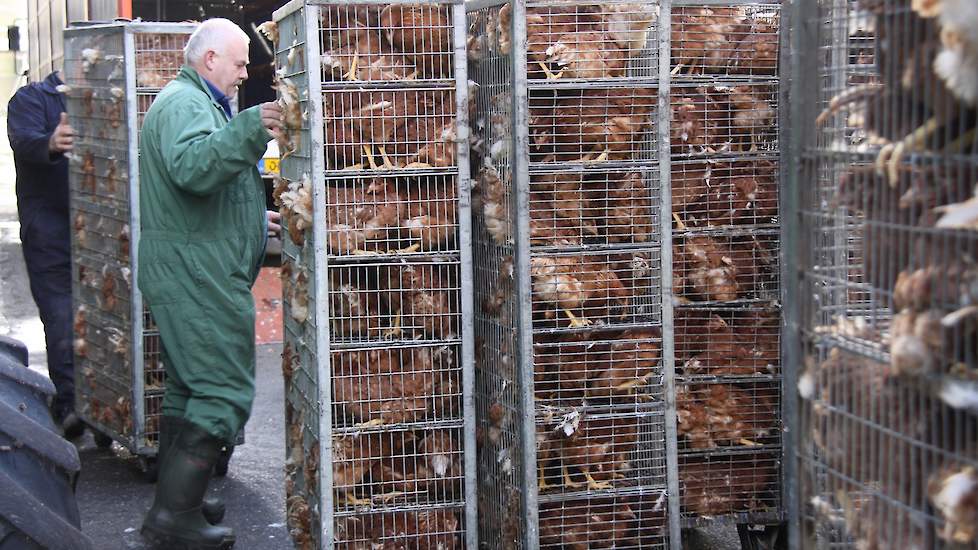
(889, 443)
(113, 72)
(374, 194)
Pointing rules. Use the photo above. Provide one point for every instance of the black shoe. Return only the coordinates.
(176, 520)
(212, 508)
(72, 426)
(67, 422)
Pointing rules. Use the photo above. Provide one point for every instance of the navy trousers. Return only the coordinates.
(46, 243)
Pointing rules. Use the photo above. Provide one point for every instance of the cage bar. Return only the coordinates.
(377, 274)
(113, 72)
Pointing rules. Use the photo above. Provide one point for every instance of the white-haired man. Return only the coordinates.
(204, 229)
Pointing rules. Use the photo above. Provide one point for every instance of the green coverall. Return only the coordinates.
(202, 208)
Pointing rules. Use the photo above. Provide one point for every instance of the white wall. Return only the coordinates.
(12, 12)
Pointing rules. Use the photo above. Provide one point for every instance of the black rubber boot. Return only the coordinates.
(212, 508)
(176, 522)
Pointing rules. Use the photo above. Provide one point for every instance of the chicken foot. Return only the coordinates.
(395, 330)
(370, 424)
(575, 321)
(605, 155)
(593, 484)
(413, 248)
(568, 482)
(891, 156)
(635, 383)
(350, 500)
(386, 498)
(550, 74)
(351, 75)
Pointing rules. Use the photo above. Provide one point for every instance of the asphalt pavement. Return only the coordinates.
(112, 496)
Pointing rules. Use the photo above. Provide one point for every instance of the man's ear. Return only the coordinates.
(209, 59)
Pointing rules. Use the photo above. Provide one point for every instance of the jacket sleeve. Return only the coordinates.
(27, 128)
(201, 158)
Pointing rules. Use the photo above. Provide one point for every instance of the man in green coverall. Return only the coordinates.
(204, 229)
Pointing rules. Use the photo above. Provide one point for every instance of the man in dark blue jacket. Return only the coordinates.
(40, 135)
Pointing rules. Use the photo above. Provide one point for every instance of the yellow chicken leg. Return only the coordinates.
(575, 321)
(595, 485)
(541, 478)
(891, 156)
(395, 331)
(550, 74)
(387, 497)
(387, 160)
(600, 158)
(354, 66)
(679, 222)
(634, 383)
(418, 166)
(370, 424)
(351, 500)
(568, 481)
(368, 153)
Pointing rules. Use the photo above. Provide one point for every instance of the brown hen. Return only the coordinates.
(385, 386)
(586, 284)
(424, 299)
(422, 32)
(715, 415)
(429, 469)
(598, 451)
(589, 525)
(358, 219)
(421, 530)
(591, 125)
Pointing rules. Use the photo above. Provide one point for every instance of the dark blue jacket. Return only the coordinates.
(42, 178)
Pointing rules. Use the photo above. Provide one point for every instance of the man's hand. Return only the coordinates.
(271, 118)
(274, 229)
(63, 138)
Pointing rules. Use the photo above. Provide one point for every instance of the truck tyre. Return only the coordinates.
(38, 468)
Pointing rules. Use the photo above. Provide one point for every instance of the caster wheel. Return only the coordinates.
(223, 463)
(148, 468)
(102, 441)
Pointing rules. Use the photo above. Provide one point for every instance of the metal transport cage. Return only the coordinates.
(113, 71)
(377, 274)
(619, 401)
(887, 252)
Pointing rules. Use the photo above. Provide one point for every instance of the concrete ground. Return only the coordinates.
(112, 497)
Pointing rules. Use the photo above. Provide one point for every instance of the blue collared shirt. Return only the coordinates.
(222, 99)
